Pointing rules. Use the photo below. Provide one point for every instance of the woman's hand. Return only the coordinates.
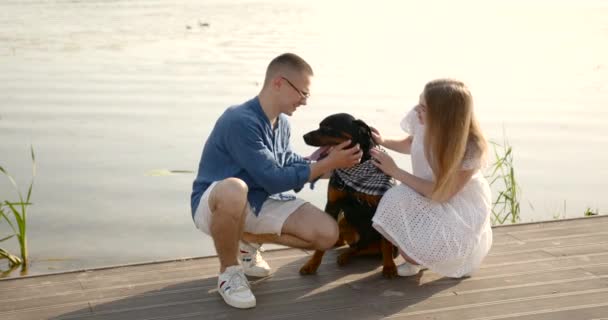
(384, 162)
(377, 136)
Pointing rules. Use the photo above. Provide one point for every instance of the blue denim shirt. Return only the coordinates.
(244, 145)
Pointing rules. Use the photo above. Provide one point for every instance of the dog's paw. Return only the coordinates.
(308, 268)
(340, 243)
(343, 259)
(389, 272)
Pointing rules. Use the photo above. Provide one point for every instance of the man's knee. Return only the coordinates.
(229, 195)
(327, 234)
(314, 226)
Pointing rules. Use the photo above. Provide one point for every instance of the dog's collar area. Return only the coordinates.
(366, 178)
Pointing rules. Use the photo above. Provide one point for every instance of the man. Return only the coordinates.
(246, 165)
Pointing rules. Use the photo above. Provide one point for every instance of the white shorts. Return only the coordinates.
(270, 219)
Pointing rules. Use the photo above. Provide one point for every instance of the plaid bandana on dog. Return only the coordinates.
(366, 178)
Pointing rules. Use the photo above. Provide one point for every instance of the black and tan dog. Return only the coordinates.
(353, 194)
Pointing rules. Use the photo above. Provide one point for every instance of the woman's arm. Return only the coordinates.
(400, 145)
(425, 187)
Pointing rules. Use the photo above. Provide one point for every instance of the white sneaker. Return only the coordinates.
(407, 269)
(251, 260)
(234, 288)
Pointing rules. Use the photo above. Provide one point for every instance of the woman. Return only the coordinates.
(439, 216)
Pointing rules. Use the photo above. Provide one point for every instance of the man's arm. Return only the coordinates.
(250, 153)
(318, 169)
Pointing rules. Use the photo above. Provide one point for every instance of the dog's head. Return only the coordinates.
(340, 127)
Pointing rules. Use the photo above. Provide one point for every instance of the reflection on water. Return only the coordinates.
(118, 98)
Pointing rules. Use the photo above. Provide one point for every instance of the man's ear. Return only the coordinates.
(276, 82)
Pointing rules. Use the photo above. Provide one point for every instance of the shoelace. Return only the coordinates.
(256, 257)
(255, 253)
(237, 282)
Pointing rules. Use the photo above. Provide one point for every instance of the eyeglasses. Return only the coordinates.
(303, 94)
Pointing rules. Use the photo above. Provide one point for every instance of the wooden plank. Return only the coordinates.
(515, 307)
(64, 280)
(126, 288)
(582, 250)
(10, 299)
(209, 264)
(287, 304)
(598, 270)
(359, 313)
(552, 224)
(582, 240)
(579, 312)
(207, 268)
(394, 301)
(131, 287)
(504, 239)
(215, 308)
(543, 265)
(195, 284)
(550, 264)
(48, 298)
(540, 235)
(36, 313)
(272, 293)
(517, 256)
(73, 282)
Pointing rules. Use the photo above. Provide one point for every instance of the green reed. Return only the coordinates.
(562, 214)
(505, 207)
(15, 214)
(591, 212)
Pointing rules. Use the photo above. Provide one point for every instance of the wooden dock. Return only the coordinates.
(550, 270)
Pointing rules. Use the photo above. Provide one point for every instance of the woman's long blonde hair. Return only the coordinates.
(450, 126)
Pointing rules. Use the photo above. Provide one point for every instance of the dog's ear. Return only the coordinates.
(364, 133)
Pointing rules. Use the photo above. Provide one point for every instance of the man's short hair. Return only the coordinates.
(287, 62)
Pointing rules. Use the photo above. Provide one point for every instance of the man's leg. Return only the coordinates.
(228, 206)
(307, 228)
(283, 239)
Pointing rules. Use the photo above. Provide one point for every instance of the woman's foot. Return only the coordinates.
(407, 269)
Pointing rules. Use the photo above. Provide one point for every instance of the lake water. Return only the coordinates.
(113, 95)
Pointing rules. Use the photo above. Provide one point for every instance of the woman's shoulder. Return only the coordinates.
(475, 154)
(410, 123)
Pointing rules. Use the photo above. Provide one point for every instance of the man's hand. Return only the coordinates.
(339, 157)
(319, 154)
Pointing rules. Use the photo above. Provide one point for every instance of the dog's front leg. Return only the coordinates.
(313, 263)
(389, 269)
(344, 257)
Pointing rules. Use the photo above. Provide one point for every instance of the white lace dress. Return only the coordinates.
(449, 238)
